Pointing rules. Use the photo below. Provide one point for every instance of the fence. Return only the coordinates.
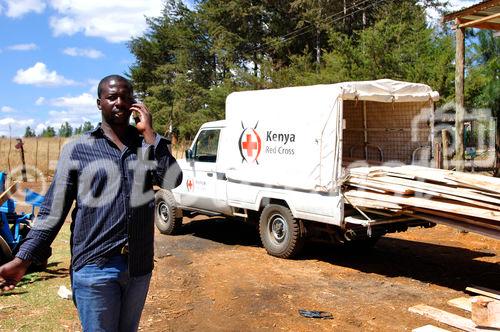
(41, 155)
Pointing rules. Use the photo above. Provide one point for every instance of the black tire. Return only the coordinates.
(5, 252)
(166, 219)
(280, 232)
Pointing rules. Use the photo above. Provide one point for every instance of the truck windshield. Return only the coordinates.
(206, 145)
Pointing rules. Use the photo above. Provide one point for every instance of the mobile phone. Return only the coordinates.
(135, 114)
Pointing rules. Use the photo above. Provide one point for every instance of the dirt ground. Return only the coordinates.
(216, 277)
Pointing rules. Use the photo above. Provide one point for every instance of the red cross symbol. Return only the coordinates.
(190, 184)
(249, 145)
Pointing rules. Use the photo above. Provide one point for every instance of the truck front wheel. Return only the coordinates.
(280, 232)
(166, 219)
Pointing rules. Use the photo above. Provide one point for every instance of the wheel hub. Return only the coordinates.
(163, 211)
(278, 228)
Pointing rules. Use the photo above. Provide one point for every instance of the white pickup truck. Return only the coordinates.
(280, 155)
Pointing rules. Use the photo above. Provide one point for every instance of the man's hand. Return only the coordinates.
(145, 124)
(12, 272)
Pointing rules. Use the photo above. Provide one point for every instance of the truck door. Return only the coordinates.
(201, 174)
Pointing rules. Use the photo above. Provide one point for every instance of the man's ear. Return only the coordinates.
(98, 103)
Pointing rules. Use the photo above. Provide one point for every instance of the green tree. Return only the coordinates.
(65, 130)
(482, 82)
(29, 132)
(87, 126)
(48, 132)
(190, 60)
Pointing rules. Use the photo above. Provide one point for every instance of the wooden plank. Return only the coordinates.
(408, 172)
(429, 328)
(8, 193)
(369, 203)
(402, 190)
(486, 312)
(418, 185)
(484, 291)
(390, 187)
(427, 204)
(445, 317)
(473, 221)
(485, 183)
(460, 225)
(363, 187)
(478, 21)
(463, 303)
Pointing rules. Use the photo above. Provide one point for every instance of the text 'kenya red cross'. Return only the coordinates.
(249, 145)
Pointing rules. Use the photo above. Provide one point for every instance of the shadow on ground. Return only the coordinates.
(448, 266)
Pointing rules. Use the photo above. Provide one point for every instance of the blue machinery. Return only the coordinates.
(14, 226)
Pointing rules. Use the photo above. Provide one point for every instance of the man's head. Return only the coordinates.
(114, 99)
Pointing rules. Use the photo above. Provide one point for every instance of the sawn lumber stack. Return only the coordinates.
(463, 200)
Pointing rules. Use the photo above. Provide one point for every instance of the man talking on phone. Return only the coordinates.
(109, 174)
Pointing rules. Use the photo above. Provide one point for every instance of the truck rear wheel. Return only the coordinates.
(166, 219)
(280, 232)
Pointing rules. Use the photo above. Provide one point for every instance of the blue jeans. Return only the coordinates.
(107, 298)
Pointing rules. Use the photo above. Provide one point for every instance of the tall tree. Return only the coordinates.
(29, 132)
(87, 126)
(65, 130)
(48, 132)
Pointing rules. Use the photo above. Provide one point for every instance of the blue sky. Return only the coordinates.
(54, 52)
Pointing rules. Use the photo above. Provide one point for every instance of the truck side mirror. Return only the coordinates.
(189, 154)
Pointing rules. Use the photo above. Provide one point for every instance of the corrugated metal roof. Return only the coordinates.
(483, 15)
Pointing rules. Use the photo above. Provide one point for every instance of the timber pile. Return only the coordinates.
(483, 312)
(463, 200)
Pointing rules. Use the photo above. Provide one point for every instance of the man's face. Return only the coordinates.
(115, 101)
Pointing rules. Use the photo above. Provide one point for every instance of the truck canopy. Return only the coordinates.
(292, 137)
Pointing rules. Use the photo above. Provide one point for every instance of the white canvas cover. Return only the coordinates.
(267, 119)
(386, 91)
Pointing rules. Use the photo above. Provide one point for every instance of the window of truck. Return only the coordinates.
(205, 149)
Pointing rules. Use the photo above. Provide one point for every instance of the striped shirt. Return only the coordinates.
(114, 200)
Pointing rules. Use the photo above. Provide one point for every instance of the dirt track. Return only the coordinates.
(216, 277)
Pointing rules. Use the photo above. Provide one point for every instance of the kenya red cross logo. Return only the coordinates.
(249, 144)
(190, 184)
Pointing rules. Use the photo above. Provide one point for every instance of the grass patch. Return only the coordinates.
(34, 305)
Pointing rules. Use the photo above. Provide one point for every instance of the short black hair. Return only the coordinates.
(113, 77)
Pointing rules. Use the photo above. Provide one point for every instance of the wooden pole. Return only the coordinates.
(48, 152)
(365, 129)
(10, 148)
(444, 140)
(459, 96)
(36, 159)
(20, 146)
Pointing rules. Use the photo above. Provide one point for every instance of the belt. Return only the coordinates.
(124, 249)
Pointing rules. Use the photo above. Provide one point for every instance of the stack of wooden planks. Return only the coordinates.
(483, 312)
(467, 201)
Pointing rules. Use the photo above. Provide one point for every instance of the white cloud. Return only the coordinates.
(14, 127)
(85, 100)
(7, 109)
(85, 52)
(23, 47)
(39, 75)
(73, 109)
(113, 21)
(40, 101)
(16, 123)
(17, 8)
(39, 128)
